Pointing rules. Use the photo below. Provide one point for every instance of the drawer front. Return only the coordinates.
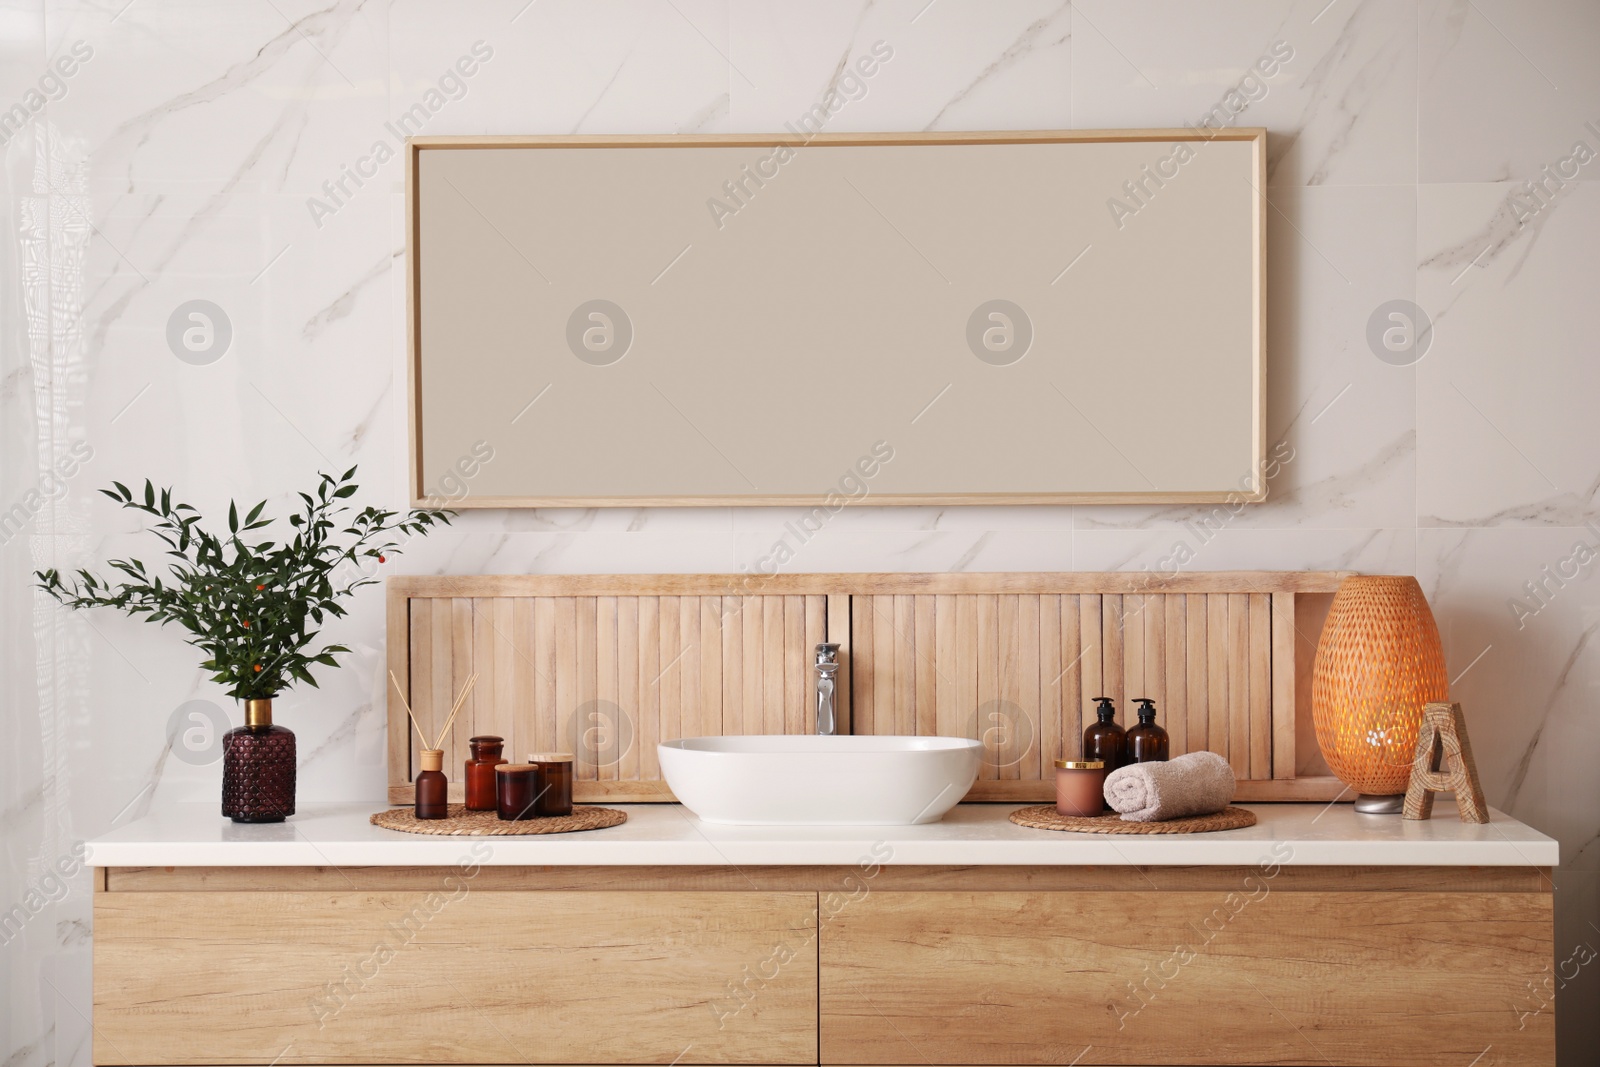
(454, 976)
(1258, 977)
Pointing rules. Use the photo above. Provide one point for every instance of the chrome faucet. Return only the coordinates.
(827, 667)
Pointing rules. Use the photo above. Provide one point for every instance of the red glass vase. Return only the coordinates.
(258, 767)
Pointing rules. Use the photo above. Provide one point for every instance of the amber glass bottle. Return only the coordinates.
(433, 788)
(1147, 742)
(485, 758)
(1105, 740)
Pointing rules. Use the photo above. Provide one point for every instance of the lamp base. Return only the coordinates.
(1368, 804)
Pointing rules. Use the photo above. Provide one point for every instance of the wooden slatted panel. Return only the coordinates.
(648, 728)
(946, 679)
(861, 683)
(1053, 712)
(1197, 692)
(1175, 671)
(1131, 631)
(609, 675)
(837, 627)
(1260, 684)
(1239, 683)
(592, 735)
(1076, 651)
(668, 680)
(691, 693)
(623, 744)
(731, 638)
(1111, 651)
(605, 677)
(814, 624)
(993, 668)
(1013, 729)
(1217, 673)
(925, 623)
(1030, 636)
(1283, 679)
(540, 736)
(1091, 611)
(772, 657)
(1155, 657)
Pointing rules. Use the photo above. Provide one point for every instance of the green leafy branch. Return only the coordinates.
(256, 608)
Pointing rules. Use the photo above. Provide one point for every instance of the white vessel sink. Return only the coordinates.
(773, 779)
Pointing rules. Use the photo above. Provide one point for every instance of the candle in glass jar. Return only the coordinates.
(516, 790)
(555, 782)
(1080, 787)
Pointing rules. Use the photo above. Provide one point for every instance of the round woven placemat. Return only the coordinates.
(463, 823)
(1046, 817)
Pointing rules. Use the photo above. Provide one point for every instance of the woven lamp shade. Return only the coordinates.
(1378, 662)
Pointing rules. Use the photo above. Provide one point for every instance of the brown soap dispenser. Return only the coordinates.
(1105, 740)
(1147, 742)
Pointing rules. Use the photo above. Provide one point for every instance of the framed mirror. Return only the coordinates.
(1036, 317)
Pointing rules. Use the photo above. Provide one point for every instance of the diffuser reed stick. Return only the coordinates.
(407, 705)
(466, 691)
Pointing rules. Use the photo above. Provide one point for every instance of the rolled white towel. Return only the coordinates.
(1196, 784)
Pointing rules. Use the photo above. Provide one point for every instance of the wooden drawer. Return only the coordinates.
(1258, 977)
(484, 977)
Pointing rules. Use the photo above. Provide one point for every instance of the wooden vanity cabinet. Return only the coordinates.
(1432, 967)
(1313, 978)
(346, 976)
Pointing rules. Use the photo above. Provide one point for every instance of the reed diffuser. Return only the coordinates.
(433, 788)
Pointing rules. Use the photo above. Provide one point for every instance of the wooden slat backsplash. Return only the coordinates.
(607, 666)
(607, 677)
(1021, 672)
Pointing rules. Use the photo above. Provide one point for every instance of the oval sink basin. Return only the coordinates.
(799, 779)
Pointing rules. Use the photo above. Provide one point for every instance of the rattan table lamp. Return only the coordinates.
(1378, 662)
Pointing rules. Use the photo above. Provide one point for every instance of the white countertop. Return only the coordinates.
(322, 835)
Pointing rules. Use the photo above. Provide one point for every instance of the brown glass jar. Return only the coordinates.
(1147, 742)
(480, 787)
(555, 782)
(1105, 740)
(516, 791)
(433, 788)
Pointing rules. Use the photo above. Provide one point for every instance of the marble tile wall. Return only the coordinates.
(176, 162)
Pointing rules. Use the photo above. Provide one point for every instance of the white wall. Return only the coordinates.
(178, 163)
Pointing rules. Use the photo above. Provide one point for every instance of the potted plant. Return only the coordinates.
(254, 607)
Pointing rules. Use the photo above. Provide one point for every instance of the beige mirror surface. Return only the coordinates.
(1048, 317)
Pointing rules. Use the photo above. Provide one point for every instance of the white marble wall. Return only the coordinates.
(176, 161)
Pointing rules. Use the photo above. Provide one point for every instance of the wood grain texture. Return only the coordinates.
(1254, 976)
(1198, 689)
(1283, 685)
(836, 627)
(1260, 685)
(616, 663)
(1091, 660)
(1175, 672)
(862, 584)
(461, 976)
(825, 878)
(1444, 763)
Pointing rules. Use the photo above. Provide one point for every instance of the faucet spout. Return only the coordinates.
(827, 668)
